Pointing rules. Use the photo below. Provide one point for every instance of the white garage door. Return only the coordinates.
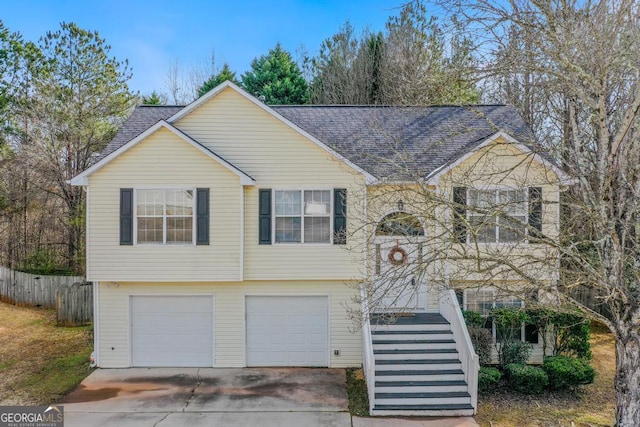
(287, 331)
(172, 331)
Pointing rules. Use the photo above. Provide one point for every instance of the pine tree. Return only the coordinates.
(277, 78)
(217, 79)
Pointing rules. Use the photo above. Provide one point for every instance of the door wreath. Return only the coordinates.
(397, 256)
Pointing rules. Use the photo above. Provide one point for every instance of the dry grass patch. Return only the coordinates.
(39, 362)
(593, 405)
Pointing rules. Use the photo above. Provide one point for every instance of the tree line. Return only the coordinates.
(416, 60)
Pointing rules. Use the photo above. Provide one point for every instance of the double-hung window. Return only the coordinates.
(302, 216)
(486, 299)
(497, 215)
(164, 216)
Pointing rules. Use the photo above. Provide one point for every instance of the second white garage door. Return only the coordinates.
(172, 331)
(287, 331)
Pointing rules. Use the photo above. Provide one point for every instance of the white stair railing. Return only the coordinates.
(450, 310)
(369, 364)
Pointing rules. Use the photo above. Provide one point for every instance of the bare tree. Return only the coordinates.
(176, 85)
(182, 84)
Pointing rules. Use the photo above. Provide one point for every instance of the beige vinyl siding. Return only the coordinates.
(229, 334)
(164, 160)
(278, 157)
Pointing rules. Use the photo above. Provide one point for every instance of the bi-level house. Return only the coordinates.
(229, 233)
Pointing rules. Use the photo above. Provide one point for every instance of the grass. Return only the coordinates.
(592, 405)
(357, 392)
(39, 362)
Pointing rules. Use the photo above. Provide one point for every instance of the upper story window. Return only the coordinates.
(164, 216)
(302, 216)
(497, 215)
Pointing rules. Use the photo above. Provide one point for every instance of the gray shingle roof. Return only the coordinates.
(388, 142)
(405, 142)
(141, 119)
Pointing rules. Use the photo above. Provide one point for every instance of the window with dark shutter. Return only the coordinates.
(339, 216)
(126, 216)
(264, 216)
(459, 214)
(202, 216)
(535, 211)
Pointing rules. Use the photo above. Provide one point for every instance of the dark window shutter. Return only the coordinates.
(535, 211)
(531, 333)
(126, 216)
(339, 216)
(460, 214)
(264, 217)
(202, 216)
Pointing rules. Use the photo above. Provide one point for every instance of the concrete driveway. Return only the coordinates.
(209, 397)
(264, 397)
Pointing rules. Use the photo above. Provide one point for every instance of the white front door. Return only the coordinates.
(399, 284)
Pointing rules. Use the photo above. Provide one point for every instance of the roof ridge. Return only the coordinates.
(388, 106)
(159, 106)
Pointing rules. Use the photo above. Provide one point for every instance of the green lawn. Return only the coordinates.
(39, 362)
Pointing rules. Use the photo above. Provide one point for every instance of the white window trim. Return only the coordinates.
(496, 189)
(164, 216)
(302, 216)
(493, 306)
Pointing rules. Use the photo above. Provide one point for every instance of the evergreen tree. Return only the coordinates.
(217, 79)
(348, 70)
(154, 99)
(77, 105)
(277, 78)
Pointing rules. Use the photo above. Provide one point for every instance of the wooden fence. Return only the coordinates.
(71, 296)
(74, 304)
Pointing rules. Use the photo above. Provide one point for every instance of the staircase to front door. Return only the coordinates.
(418, 371)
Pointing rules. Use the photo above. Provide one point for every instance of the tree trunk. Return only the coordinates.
(628, 377)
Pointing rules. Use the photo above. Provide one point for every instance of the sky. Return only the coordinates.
(153, 35)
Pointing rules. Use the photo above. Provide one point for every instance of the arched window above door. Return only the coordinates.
(400, 224)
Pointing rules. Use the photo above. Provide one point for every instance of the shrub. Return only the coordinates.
(572, 335)
(482, 343)
(488, 377)
(473, 319)
(526, 379)
(508, 322)
(569, 332)
(567, 372)
(514, 352)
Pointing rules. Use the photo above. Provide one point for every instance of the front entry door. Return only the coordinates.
(398, 282)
